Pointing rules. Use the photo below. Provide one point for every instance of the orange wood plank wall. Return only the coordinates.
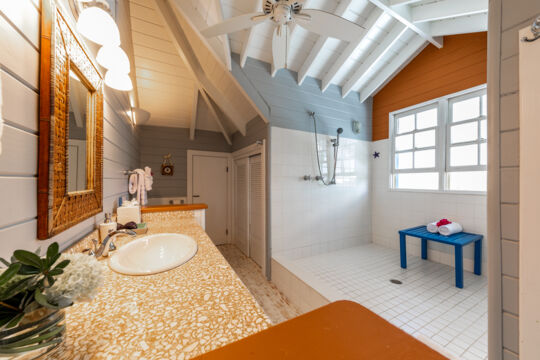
(460, 64)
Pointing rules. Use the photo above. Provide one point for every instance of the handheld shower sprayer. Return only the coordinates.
(335, 143)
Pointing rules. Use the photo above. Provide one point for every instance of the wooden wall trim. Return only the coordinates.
(461, 64)
(162, 208)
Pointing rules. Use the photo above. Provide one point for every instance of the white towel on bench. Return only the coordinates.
(432, 227)
(450, 229)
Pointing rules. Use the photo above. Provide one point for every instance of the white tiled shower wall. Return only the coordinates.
(307, 217)
(395, 210)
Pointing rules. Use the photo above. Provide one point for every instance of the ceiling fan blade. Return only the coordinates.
(233, 24)
(280, 47)
(328, 24)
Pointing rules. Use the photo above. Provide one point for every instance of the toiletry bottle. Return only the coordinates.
(106, 227)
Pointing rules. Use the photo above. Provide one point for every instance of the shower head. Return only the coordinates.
(340, 131)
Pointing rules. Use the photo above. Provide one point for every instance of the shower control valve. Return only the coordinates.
(307, 178)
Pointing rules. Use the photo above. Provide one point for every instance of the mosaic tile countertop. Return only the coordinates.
(177, 314)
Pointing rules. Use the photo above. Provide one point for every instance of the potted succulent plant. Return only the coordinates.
(34, 290)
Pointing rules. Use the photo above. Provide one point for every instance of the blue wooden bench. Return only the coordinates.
(457, 240)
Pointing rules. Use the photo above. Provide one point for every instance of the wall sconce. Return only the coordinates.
(97, 25)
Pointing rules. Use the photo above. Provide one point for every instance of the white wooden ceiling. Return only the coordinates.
(396, 31)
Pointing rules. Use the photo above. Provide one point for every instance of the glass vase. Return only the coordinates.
(39, 332)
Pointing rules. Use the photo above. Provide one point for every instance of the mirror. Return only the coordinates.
(70, 150)
(76, 152)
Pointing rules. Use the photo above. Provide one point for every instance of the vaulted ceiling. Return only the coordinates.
(183, 79)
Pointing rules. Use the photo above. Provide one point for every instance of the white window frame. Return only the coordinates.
(442, 142)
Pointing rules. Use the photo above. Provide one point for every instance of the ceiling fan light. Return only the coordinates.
(113, 58)
(98, 26)
(118, 81)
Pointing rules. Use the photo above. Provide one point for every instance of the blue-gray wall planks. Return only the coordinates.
(289, 103)
(156, 141)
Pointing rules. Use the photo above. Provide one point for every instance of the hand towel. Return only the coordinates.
(148, 178)
(432, 227)
(450, 229)
(133, 184)
(141, 187)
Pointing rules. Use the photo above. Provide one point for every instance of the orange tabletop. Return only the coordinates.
(340, 330)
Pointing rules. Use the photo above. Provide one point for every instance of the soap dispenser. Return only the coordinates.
(106, 227)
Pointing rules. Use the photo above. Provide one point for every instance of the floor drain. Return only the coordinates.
(394, 281)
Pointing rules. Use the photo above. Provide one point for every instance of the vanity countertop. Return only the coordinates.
(177, 314)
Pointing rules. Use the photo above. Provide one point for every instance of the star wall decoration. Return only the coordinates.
(376, 155)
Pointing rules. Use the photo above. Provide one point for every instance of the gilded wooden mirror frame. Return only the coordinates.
(61, 50)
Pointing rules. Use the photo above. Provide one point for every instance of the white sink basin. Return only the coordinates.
(153, 254)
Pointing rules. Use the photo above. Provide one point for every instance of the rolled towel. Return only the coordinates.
(432, 227)
(133, 183)
(450, 229)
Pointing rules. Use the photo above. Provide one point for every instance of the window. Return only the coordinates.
(442, 144)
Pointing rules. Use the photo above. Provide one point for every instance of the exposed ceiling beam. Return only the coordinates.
(342, 7)
(461, 25)
(181, 15)
(213, 111)
(375, 15)
(124, 25)
(248, 38)
(215, 44)
(388, 42)
(403, 15)
(448, 9)
(399, 62)
(225, 37)
(192, 63)
(403, 2)
(194, 107)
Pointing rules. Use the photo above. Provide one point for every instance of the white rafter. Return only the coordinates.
(342, 7)
(403, 2)
(225, 37)
(399, 62)
(448, 9)
(395, 34)
(192, 63)
(213, 111)
(194, 107)
(403, 15)
(328, 78)
(249, 38)
(461, 25)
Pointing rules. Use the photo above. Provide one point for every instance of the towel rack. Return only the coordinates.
(535, 29)
(129, 172)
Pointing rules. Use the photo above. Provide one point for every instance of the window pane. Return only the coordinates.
(404, 160)
(426, 119)
(483, 129)
(404, 142)
(484, 105)
(424, 159)
(464, 155)
(405, 124)
(466, 109)
(464, 132)
(483, 154)
(417, 181)
(424, 139)
(467, 181)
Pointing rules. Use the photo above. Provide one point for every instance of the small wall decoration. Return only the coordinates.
(167, 167)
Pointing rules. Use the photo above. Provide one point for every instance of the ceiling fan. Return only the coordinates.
(284, 14)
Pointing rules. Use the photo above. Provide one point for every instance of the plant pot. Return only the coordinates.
(39, 332)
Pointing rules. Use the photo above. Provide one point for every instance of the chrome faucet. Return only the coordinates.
(108, 245)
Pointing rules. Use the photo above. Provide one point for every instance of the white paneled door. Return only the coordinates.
(256, 209)
(210, 186)
(529, 197)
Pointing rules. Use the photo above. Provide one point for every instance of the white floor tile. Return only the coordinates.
(427, 302)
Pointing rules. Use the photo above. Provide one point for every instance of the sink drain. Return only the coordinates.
(394, 281)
